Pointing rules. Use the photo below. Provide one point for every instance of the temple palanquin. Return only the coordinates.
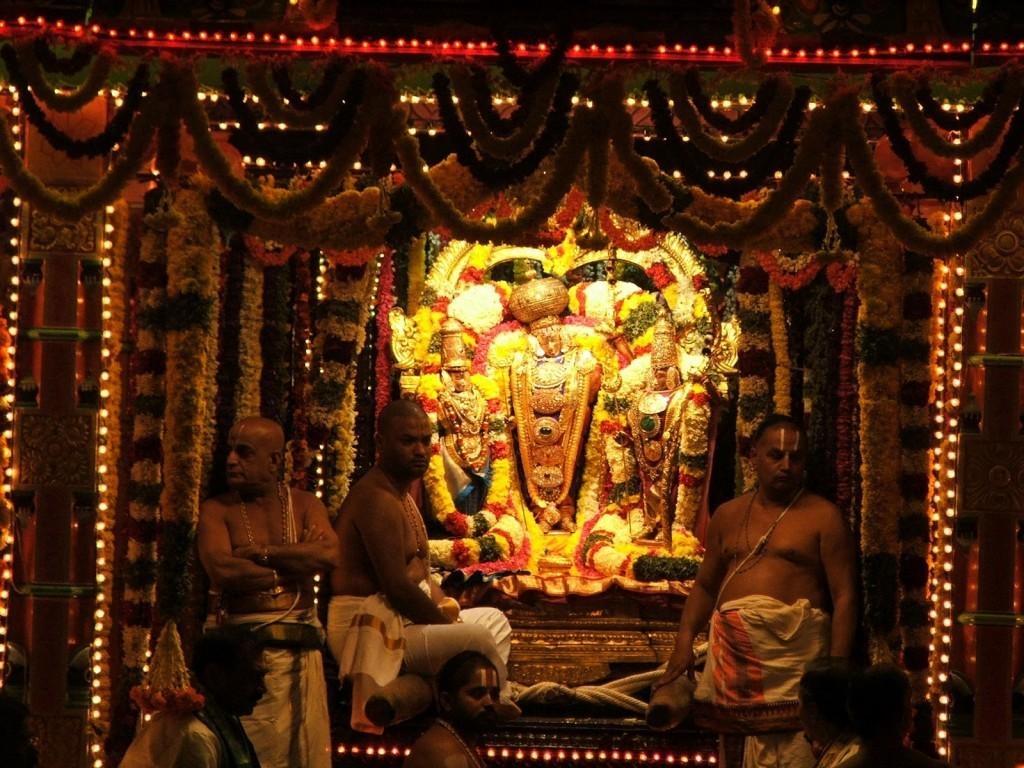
(598, 243)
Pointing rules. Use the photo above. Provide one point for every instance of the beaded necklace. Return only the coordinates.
(287, 521)
(470, 752)
(412, 514)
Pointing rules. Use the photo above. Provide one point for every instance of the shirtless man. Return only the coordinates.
(261, 544)
(386, 612)
(467, 694)
(779, 560)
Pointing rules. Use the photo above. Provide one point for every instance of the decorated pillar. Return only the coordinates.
(58, 373)
(991, 494)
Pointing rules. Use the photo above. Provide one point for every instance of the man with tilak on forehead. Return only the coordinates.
(778, 586)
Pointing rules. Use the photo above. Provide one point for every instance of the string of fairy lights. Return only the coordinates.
(17, 128)
(948, 301)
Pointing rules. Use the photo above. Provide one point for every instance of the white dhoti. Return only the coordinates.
(372, 643)
(758, 648)
(290, 725)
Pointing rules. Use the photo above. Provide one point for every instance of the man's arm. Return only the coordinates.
(700, 603)
(377, 524)
(315, 552)
(225, 569)
(838, 558)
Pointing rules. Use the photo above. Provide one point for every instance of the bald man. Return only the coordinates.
(261, 544)
(386, 614)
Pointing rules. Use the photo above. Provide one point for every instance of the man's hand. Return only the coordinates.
(679, 663)
(312, 533)
(250, 552)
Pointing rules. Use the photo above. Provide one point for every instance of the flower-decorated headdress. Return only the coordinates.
(539, 302)
(453, 346)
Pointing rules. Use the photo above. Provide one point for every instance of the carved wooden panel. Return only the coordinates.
(55, 450)
(49, 234)
(572, 655)
(992, 475)
(1000, 254)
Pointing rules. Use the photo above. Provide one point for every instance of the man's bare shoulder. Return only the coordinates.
(733, 508)
(217, 506)
(370, 495)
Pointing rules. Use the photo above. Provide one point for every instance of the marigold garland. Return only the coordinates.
(250, 326)
(755, 362)
(880, 291)
(780, 348)
(916, 394)
(95, 79)
(275, 108)
(146, 486)
(192, 289)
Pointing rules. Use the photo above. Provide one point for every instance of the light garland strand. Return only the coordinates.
(947, 378)
(108, 449)
(8, 347)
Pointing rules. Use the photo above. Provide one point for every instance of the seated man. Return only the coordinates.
(824, 690)
(228, 671)
(262, 544)
(386, 612)
(882, 713)
(467, 693)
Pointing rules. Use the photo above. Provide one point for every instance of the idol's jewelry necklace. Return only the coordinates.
(473, 756)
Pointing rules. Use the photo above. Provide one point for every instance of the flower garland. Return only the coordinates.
(169, 687)
(374, 111)
(228, 373)
(916, 393)
(250, 327)
(880, 292)
(192, 290)
(28, 62)
(272, 333)
(71, 65)
(770, 122)
(764, 99)
(146, 486)
(96, 145)
(780, 349)
(847, 454)
(755, 362)
(902, 88)
(340, 333)
(318, 108)
(954, 120)
(534, 111)
(299, 458)
(793, 273)
(382, 362)
(917, 171)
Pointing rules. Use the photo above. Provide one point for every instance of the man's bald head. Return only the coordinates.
(255, 454)
(259, 429)
(398, 410)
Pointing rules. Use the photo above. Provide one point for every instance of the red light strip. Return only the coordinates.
(946, 52)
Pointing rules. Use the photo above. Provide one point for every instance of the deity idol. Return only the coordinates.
(655, 427)
(553, 386)
(463, 420)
